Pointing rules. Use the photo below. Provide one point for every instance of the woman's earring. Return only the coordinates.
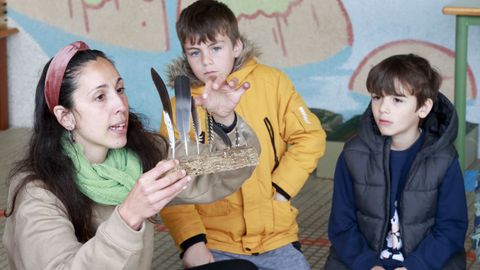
(70, 133)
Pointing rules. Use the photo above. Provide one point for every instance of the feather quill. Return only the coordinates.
(167, 107)
(197, 128)
(171, 133)
(183, 108)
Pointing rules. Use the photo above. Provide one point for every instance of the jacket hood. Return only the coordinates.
(180, 66)
(440, 127)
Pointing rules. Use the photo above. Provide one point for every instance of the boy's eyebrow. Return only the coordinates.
(398, 95)
(191, 47)
(196, 46)
(215, 42)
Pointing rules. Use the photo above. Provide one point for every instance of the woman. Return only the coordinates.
(92, 177)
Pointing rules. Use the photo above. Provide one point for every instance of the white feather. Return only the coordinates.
(171, 134)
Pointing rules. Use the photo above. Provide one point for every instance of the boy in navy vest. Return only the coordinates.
(399, 198)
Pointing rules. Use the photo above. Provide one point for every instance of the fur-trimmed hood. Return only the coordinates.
(180, 66)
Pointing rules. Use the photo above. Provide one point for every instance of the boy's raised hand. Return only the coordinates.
(221, 97)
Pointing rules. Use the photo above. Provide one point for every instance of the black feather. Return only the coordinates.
(162, 91)
(183, 107)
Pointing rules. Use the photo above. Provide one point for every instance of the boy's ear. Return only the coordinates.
(64, 117)
(426, 108)
(237, 48)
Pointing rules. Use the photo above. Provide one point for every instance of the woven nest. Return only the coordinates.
(220, 161)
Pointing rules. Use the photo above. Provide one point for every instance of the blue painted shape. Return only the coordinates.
(470, 180)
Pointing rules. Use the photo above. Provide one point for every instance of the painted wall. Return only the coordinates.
(326, 47)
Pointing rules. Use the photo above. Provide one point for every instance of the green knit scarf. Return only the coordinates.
(109, 182)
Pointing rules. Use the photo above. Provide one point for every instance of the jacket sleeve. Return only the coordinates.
(347, 240)
(303, 133)
(44, 238)
(183, 220)
(447, 236)
(214, 186)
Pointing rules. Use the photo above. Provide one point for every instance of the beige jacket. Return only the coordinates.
(39, 234)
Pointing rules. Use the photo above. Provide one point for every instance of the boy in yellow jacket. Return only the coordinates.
(257, 222)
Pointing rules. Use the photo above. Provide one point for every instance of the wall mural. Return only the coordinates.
(291, 28)
(440, 57)
(127, 24)
(326, 47)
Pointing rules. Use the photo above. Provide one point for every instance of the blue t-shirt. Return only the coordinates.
(400, 163)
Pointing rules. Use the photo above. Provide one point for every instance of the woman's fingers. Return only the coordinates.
(152, 192)
(160, 169)
(169, 178)
(158, 193)
(165, 195)
(162, 175)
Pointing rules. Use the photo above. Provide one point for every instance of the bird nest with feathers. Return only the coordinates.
(231, 158)
(219, 161)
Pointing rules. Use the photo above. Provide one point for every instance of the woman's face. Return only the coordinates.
(100, 110)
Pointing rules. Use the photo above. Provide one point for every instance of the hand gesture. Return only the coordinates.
(197, 254)
(221, 97)
(153, 190)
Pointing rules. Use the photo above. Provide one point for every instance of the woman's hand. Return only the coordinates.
(221, 97)
(197, 254)
(153, 190)
(378, 268)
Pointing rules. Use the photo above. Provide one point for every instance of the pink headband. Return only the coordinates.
(56, 70)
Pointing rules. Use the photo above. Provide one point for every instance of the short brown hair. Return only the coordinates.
(204, 19)
(411, 71)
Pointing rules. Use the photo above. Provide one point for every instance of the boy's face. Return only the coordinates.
(211, 58)
(397, 116)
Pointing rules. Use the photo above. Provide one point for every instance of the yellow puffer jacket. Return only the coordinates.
(250, 221)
